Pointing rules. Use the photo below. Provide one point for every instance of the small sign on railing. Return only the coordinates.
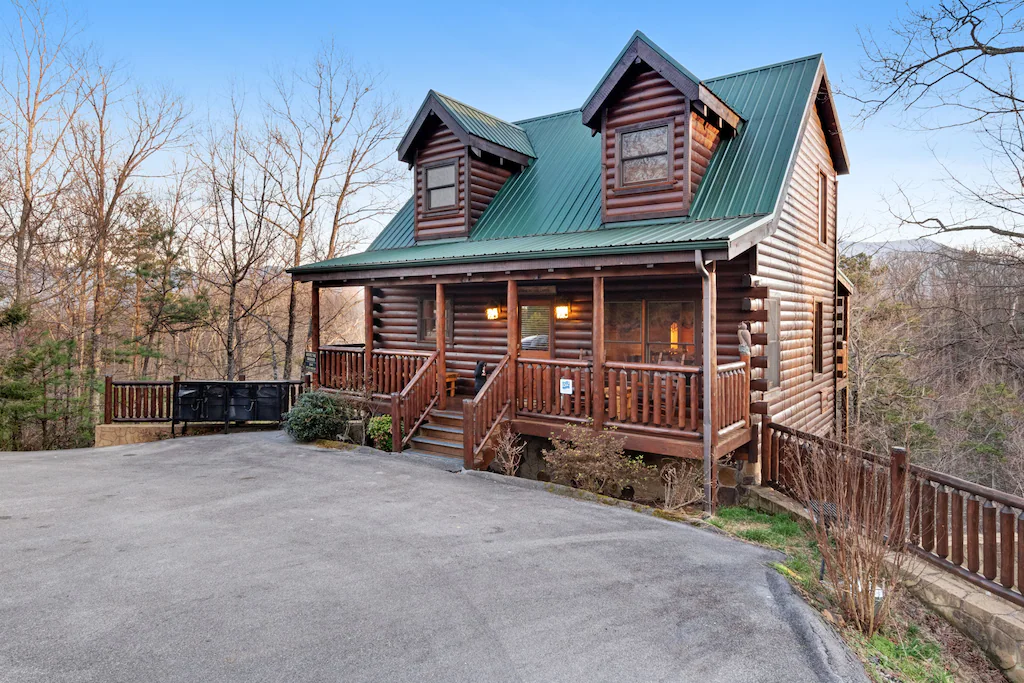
(565, 386)
(309, 361)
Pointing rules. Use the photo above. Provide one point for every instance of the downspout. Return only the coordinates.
(698, 259)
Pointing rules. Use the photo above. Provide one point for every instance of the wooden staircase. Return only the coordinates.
(441, 433)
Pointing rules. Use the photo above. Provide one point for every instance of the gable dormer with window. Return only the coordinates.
(660, 127)
(462, 157)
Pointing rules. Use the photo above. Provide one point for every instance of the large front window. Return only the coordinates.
(650, 331)
(644, 155)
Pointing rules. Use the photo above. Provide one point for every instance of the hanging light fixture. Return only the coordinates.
(562, 309)
(493, 310)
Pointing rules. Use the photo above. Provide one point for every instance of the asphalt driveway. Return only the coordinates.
(249, 558)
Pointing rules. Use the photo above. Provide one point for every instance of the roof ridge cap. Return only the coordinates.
(548, 116)
(766, 67)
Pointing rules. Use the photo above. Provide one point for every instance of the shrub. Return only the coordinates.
(683, 483)
(379, 431)
(594, 461)
(317, 415)
(848, 501)
(508, 451)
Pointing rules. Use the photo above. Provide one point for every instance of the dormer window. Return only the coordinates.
(441, 186)
(644, 154)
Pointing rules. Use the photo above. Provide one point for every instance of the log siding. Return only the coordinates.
(799, 269)
(439, 146)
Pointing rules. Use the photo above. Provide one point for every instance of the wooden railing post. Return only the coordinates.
(512, 320)
(108, 400)
(766, 449)
(314, 306)
(396, 423)
(468, 435)
(368, 336)
(597, 347)
(897, 494)
(441, 332)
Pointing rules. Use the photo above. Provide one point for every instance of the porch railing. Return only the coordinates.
(482, 414)
(411, 405)
(540, 391)
(653, 397)
(733, 391)
(343, 368)
(964, 528)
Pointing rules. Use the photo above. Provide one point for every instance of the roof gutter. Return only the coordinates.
(709, 374)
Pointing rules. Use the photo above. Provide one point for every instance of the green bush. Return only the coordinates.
(379, 431)
(317, 415)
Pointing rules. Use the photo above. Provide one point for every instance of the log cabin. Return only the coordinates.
(600, 263)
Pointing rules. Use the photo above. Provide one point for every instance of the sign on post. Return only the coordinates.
(309, 361)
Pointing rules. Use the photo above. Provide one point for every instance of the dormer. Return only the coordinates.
(461, 157)
(660, 127)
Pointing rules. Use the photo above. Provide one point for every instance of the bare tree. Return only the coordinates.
(329, 125)
(953, 65)
(239, 240)
(122, 129)
(42, 91)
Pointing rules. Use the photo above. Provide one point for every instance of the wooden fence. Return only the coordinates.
(153, 400)
(964, 528)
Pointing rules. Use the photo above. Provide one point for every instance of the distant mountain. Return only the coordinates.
(885, 249)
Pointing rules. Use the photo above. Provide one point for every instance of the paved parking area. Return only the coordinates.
(248, 558)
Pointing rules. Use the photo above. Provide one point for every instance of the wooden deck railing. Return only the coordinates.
(482, 414)
(153, 400)
(343, 368)
(138, 401)
(964, 528)
(538, 388)
(733, 391)
(649, 397)
(410, 406)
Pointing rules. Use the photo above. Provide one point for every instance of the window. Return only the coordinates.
(774, 349)
(426, 329)
(441, 186)
(535, 329)
(650, 331)
(644, 155)
(822, 207)
(819, 336)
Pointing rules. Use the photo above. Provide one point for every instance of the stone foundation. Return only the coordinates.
(124, 433)
(997, 625)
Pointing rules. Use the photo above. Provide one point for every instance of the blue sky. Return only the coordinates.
(517, 59)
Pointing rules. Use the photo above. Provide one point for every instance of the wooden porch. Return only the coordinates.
(659, 407)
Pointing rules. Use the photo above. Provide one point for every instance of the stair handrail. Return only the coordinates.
(414, 402)
(499, 399)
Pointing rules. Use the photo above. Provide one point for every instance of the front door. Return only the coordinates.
(537, 329)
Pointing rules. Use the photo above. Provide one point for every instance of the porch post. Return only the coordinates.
(441, 332)
(314, 310)
(597, 348)
(368, 344)
(709, 291)
(512, 320)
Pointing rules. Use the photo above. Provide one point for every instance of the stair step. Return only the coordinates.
(446, 418)
(442, 429)
(451, 414)
(438, 446)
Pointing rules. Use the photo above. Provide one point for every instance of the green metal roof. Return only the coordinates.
(483, 125)
(639, 35)
(554, 204)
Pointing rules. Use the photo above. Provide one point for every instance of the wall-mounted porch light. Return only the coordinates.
(493, 310)
(563, 309)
